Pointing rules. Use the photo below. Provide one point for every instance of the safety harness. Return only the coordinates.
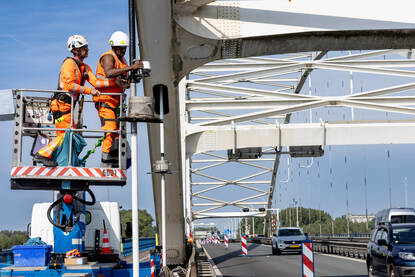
(64, 97)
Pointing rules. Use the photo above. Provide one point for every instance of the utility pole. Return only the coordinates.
(331, 193)
(309, 209)
(319, 193)
(253, 225)
(405, 181)
(296, 211)
(365, 169)
(134, 149)
(246, 226)
(389, 179)
(347, 197)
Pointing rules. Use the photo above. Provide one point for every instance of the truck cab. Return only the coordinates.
(395, 216)
(94, 217)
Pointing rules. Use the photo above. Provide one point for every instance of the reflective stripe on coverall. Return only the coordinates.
(107, 104)
(70, 78)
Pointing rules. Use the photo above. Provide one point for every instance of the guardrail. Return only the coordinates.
(357, 235)
(6, 257)
(349, 247)
(144, 244)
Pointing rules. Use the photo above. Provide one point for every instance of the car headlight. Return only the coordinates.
(280, 242)
(406, 256)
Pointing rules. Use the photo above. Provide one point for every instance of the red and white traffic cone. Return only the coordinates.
(308, 259)
(226, 241)
(105, 249)
(243, 246)
(217, 240)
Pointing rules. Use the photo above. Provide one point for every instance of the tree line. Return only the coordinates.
(145, 223)
(8, 239)
(310, 220)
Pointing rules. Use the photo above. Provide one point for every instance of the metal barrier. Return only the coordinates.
(144, 244)
(354, 247)
(357, 235)
(6, 257)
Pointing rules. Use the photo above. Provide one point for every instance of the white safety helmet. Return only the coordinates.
(76, 41)
(119, 38)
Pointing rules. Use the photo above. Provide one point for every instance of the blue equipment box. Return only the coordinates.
(31, 255)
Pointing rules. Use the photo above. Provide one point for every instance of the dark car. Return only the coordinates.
(391, 250)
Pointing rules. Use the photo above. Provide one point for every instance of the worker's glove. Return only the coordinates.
(95, 92)
(124, 83)
(137, 65)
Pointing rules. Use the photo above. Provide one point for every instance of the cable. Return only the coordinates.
(98, 144)
(92, 202)
(54, 223)
(77, 215)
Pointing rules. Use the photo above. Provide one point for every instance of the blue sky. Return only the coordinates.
(33, 37)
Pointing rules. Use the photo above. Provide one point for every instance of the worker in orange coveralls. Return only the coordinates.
(112, 66)
(74, 72)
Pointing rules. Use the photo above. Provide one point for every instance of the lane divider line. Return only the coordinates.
(215, 268)
(341, 257)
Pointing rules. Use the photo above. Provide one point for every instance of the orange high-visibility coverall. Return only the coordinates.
(107, 104)
(70, 79)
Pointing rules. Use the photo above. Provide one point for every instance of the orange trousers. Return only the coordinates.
(108, 122)
(63, 122)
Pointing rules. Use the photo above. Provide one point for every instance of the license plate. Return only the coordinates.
(295, 246)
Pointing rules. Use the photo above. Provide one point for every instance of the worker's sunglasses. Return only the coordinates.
(84, 47)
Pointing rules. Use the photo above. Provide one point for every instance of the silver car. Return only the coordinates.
(287, 239)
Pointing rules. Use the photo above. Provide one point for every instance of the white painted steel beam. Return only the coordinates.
(220, 183)
(262, 18)
(228, 215)
(221, 138)
(192, 85)
(155, 39)
(242, 203)
(229, 67)
(266, 113)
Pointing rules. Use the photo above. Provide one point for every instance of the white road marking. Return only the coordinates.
(215, 268)
(341, 257)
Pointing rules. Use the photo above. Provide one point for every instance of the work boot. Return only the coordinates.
(108, 161)
(45, 161)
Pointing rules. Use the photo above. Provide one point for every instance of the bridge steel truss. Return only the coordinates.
(180, 36)
(239, 103)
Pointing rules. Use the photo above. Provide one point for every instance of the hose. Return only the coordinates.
(88, 203)
(98, 144)
(54, 204)
(78, 214)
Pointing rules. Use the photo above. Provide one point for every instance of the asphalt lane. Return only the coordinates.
(260, 262)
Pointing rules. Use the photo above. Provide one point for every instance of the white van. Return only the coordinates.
(395, 215)
(108, 211)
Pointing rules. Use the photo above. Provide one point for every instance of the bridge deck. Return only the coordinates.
(261, 262)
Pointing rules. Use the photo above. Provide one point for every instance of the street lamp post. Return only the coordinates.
(295, 202)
